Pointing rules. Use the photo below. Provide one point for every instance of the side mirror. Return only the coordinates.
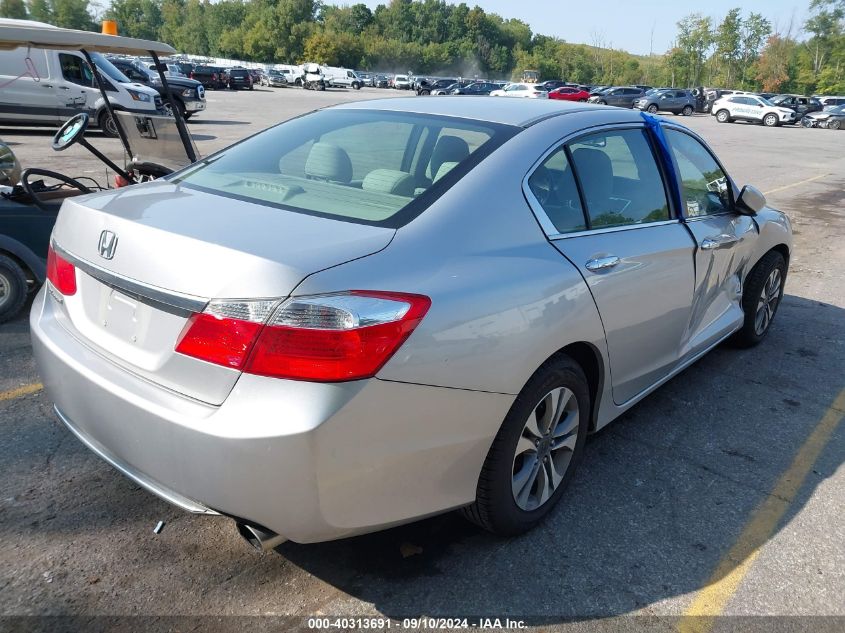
(751, 200)
(10, 168)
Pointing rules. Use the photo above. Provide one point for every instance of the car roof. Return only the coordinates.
(501, 110)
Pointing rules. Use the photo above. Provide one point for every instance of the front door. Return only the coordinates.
(76, 85)
(635, 258)
(725, 243)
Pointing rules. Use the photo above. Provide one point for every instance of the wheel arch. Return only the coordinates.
(31, 264)
(590, 360)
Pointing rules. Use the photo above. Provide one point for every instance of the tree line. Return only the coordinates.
(434, 37)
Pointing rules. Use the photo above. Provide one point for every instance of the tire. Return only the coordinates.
(652, 109)
(497, 507)
(356, 85)
(687, 111)
(107, 125)
(169, 109)
(756, 325)
(723, 116)
(602, 102)
(836, 124)
(771, 120)
(12, 288)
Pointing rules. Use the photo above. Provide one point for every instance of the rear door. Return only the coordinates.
(725, 243)
(636, 259)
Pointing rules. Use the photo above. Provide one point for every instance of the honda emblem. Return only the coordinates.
(108, 244)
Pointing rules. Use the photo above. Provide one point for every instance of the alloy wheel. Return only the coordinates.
(768, 301)
(545, 448)
(5, 289)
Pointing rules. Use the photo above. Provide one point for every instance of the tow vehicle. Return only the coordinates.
(154, 145)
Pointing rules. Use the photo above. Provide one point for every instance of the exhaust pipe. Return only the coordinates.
(260, 538)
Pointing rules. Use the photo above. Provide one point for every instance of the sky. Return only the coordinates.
(625, 24)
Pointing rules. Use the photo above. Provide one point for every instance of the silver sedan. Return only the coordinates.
(386, 310)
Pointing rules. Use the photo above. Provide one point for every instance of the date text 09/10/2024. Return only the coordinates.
(377, 624)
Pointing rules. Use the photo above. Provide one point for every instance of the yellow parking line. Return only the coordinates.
(796, 184)
(711, 600)
(19, 392)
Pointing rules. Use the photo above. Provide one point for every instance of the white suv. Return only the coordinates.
(751, 108)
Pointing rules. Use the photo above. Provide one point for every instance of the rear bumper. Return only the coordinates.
(309, 461)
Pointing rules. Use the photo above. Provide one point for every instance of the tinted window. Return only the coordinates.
(553, 185)
(348, 164)
(704, 186)
(619, 179)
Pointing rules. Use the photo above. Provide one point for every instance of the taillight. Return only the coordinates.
(61, 273)
(324, 338)
(224, 332)
(213, 76)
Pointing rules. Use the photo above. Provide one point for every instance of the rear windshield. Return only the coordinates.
(238, 73)
(368, 166)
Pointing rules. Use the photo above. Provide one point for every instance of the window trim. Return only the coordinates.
(682, 212)
(543, 218)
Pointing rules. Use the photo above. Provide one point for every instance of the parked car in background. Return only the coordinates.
(342, 77)
(620, 96)
(832, 118)
(553, 84)
(365, 77)
(283, 360)
(381, 81)
(240, 79)
(798, 104)
(522, 90)
(744, 107)
(427, 86)
(401, 82)
(478, 88)
(64, 78)
(186, 68)
(448, 89)
(671, 100)
(828, 102)
(212, 77)
(188, 93)
(568, 93)
(273, 78)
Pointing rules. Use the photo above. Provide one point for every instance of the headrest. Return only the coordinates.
(449, 149)
(328, 162)
(445, 168)
(399, 183)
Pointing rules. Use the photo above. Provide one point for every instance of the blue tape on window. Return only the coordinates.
(655, 127)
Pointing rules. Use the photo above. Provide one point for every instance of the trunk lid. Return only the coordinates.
(175, 248)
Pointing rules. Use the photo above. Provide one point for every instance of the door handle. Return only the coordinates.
(709, 243)
(601, 263)
(46, 85)
(64, 88)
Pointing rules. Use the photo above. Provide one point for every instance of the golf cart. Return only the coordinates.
(154, 145)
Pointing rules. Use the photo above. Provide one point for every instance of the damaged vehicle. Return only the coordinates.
(328, 339)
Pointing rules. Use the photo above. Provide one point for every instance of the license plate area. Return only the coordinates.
(124, 317)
